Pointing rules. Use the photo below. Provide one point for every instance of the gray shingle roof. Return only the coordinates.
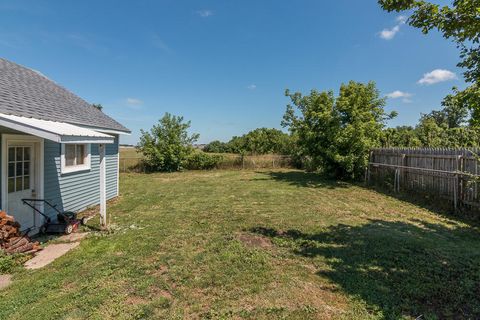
(24, 92)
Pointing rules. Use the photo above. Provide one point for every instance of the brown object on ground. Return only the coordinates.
(11, 240)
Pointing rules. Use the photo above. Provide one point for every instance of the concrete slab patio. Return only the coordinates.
(49, 254)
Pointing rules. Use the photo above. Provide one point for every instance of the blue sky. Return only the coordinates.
(225, 64)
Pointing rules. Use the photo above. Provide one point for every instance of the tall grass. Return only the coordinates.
(267, 161)
(130, 161)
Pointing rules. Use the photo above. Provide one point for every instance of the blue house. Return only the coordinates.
(54, 145)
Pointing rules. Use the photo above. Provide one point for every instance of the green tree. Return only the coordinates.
(462, 137)
(459, 22)
(430, 133)
(266, 141)
(455, 111)
(98, 106)
(216, 147)
(402, 136)
(237, 145)
(258, 141)
(337, 133)
(168, 145)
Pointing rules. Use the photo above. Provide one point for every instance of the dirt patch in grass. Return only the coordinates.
(135, 300)
(254, 241)
(157, 292)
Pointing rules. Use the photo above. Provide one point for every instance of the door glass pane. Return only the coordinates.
(11, 169)
(26, 168)
(80, 154)
(19, 169)
(18, 184)
(11, 154)
(26, 154)
(70, 154)
(11, 185)
(19, 154)
(26, 182)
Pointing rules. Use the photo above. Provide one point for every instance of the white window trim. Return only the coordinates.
(82, 167)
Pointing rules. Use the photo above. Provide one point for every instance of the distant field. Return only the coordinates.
(129, 152)
(130, 161)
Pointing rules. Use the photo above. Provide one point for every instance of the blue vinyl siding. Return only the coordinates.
(79, 190)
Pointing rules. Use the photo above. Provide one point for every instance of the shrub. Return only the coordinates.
(11, 262)
(202, 161)
(216, 147)
(168, 145)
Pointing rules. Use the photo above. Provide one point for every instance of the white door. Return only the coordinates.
(20, 183)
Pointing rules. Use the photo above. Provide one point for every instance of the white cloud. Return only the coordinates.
(389, 34)
(134, 102)
(397, 94)
(401, 19)
(252, 86)
(205, 13)
(436, 76)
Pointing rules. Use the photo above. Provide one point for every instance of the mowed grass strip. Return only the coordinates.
(258, 245)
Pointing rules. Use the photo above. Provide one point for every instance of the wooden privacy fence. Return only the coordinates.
(450, 174)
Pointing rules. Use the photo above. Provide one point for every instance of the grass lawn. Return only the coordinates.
(258, 245)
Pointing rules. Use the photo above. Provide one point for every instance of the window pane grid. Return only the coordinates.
(18, 168)
(75, 155)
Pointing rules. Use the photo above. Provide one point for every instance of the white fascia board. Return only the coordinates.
(30, 130)
(16, 123)
(104, 130)
(82, 140)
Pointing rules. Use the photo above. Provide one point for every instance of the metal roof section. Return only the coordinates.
(60, 132)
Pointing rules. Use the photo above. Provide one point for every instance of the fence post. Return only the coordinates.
(368, 173)
(462, 166)
(456, 184)
(404, 170)
(396, 182)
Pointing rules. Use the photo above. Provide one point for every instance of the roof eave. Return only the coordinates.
(53, 136)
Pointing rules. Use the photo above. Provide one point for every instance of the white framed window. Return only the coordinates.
(75, 157)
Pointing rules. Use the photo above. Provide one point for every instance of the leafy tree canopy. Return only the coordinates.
(337, 133)
(445, 128)
(98, 106)
(168, 145)
(216, 146)
(258, 141)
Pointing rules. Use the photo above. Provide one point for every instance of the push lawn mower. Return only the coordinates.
(66, 221)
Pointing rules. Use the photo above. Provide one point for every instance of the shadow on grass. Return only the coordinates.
(439, 206)
(304, 179)
(397, 268)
